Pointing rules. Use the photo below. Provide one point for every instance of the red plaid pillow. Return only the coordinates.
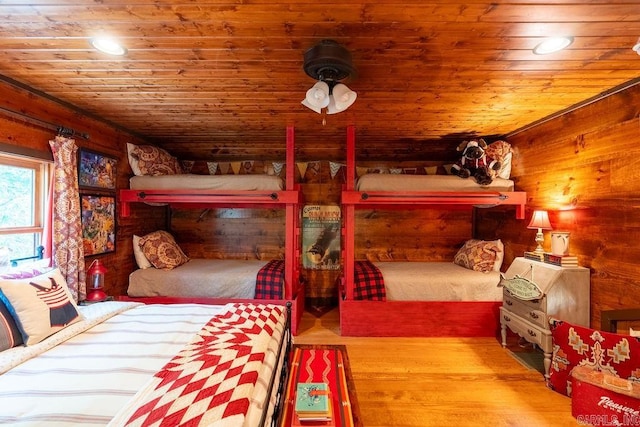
(616, 354)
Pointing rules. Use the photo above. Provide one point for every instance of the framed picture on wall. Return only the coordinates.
(98, 223)
(96, 170)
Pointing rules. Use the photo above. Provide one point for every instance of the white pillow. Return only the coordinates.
(505, 167)
(42, 305)
(142, 261)
(133, 162)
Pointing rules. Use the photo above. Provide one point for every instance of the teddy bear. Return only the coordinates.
(475, 162)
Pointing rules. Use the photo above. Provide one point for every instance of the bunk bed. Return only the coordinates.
(362, 315)
(287, 198)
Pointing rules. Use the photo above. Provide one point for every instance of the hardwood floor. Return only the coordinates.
(440, 381)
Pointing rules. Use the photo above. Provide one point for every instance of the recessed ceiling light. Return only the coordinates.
(552, 44)
(636, 47)
(108, 45)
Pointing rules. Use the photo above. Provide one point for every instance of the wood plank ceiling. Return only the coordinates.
(220, 79)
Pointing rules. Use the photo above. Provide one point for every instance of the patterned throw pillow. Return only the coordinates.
(155, 161)
(477, 255)
(500, 151)
(42, 305)
(141, 260)
(162, 251)
(9, 333)
(573, 345)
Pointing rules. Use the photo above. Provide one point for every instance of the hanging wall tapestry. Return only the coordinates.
(321, 237)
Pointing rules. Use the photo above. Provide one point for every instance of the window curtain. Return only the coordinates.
(68, 253)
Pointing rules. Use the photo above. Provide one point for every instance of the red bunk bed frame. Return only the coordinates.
(290, 199)
(411, 318)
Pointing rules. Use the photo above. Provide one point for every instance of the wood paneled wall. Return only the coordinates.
(35, 135)
(583, 168)
(580, 166)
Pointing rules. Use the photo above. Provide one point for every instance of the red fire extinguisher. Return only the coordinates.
(95, 282)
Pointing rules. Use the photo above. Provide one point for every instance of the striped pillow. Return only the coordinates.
(9, 333)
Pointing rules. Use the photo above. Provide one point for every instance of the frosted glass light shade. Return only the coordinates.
(343, 96)
(317, 97)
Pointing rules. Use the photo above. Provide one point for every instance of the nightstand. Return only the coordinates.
(563, 293)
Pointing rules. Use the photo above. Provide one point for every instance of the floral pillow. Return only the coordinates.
(573, 345)
(501, 151)
(478, 255)
(162, 251)
(41, 305)
(154, 161)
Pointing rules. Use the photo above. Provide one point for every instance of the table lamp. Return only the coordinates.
(540, 221)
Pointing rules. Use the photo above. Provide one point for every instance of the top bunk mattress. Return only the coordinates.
(207, 182)
(402, 182)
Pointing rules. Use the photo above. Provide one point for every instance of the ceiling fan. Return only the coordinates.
(329, 63)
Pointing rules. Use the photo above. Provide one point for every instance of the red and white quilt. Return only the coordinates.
(216, 378)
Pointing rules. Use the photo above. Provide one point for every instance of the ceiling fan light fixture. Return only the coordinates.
(318, 95)
(552, 44)
(343, 97)
(636, 47)
(108, 45)
(328, 62)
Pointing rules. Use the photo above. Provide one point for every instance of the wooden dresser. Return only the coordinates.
(562, 293)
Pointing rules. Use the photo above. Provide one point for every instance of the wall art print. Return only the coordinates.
(96, 170)
(321, 237)
(98, 223)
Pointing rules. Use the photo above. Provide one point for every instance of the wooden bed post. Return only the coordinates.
(290, 282)
(349, 215)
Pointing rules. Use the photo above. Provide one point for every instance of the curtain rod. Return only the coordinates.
(61, 130)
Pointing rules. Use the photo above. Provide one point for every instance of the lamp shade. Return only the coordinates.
(343, 98)
(317, 97)
(540, 220)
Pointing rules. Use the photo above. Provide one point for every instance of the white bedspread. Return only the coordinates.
(402, 182)
(207, 182)
(86, 380)
(438, 281)
(212, 278)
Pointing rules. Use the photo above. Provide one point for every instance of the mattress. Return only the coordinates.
(451, 183)
(88, 378)
(207, 182)
(198, 278)
(438, 281)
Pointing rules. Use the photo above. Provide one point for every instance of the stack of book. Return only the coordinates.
(561, 260)
(536, 256)
(313, 405)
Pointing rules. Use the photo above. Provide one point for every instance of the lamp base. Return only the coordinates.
(96, 295)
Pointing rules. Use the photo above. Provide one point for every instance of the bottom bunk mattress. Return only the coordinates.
(438, 281)
(208, 278)
(111, 367)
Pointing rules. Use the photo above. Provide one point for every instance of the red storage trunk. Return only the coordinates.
(602, 399)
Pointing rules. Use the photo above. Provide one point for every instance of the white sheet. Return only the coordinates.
(402, 182)
(213, 278)
(206, 182)
(86, 380)
(438, 281)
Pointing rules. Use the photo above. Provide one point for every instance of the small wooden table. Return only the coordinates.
(322, 363)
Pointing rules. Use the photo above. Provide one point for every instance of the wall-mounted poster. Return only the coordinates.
(98, 223)
(95, 170)
(321, 237)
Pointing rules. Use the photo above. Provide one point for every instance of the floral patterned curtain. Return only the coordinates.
(68, 253)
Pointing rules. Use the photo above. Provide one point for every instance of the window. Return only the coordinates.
(23, 184)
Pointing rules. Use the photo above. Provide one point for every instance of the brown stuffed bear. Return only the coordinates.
(474, 162)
